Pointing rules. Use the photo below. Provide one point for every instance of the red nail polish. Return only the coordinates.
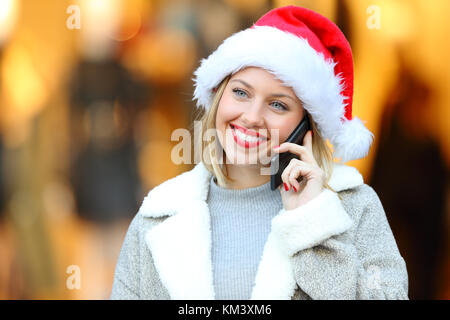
(286, 187)
(276, 147)
(294, 188)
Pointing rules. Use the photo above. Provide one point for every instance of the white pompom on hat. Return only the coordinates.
(308, 53)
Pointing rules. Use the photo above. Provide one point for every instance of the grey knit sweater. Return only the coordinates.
(328, 248)
(240, 224)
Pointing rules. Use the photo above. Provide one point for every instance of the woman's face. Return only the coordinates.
(256, 112)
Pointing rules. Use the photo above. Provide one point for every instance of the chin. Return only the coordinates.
(249, 159)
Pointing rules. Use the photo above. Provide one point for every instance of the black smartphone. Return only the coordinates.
(281, 160)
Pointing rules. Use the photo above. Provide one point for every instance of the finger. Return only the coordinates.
(285, 174)
(304, 153)
(307, 141)
(297, 173)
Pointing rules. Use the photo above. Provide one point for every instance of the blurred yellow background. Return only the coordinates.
(91, 90)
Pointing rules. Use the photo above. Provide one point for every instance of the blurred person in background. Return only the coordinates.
(105, 101)
(415, 198)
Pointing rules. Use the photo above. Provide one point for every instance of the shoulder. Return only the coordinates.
(363, 204)
(360, 195)
(138, 227)
(169, 197)
(349, 183)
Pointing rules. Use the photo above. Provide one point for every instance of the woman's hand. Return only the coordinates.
(312, 176)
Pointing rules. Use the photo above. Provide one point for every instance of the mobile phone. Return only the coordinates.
(281, 160)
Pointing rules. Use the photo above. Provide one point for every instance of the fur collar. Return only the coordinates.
(181, 244)
(167, 198)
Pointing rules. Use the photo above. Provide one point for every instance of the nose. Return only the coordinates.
(254, 116)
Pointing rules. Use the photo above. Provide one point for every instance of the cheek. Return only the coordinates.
(285, 127)
(226, 111)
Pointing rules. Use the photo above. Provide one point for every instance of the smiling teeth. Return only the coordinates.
(245, 137)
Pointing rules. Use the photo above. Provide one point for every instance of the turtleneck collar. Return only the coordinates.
(262, 195)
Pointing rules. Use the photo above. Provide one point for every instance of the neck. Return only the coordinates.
(246, 176)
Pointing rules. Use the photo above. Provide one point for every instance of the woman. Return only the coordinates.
(219, 231)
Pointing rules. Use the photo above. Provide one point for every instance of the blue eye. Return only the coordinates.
(240, 93)
(281, 106)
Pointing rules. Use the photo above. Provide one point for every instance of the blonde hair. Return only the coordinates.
(321, 151)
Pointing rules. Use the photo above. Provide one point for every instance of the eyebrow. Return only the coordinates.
(278, 95)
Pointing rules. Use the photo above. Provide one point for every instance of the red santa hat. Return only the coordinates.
(308, 53)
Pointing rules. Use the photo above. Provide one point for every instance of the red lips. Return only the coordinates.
(247, 132)
(243, 143)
